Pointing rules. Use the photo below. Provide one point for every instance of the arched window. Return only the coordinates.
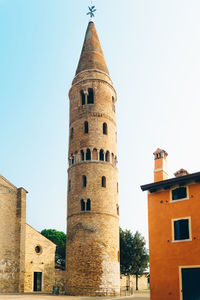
(69, 186)
(94, 154)
(105, 128)
(86, 127)
(88, 154)
(82, 205)
(84, 178)
(107, 158)
(88, 204)
(82, 155)
(90, 99)
(101, 155)
(82, 98)
(73, 160)
(72, 133)
(103, 181)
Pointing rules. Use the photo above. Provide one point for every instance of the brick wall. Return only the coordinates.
(92, 259)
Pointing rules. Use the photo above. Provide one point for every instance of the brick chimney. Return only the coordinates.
(181, 172)
(160, 169)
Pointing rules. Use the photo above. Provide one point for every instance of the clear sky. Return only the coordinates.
(152, 50)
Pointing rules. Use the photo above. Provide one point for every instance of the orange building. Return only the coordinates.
(174, 232)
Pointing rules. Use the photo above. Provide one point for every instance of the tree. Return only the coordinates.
(58, 238)
(134, 257)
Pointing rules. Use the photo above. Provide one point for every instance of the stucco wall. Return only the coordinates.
(166, 256)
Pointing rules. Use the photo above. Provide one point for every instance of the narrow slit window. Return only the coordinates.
(105, 128)
(181, 229)
(88, 154)
(101, 155)
(117, 209)
(90, 99)
(88, 204)
(82, 205)
(84, 178)
(103, 181)
(73, 160)
(72, 133)
(179, 193)
(82, 98)
(82, 155)
(86, 127)
(113, 104)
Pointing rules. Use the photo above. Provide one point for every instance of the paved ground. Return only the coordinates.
(137, 296)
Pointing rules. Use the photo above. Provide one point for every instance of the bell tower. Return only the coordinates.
(92, 255)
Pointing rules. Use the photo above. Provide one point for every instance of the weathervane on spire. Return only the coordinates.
(92, 9)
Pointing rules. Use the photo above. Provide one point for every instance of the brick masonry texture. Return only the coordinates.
(92, 255)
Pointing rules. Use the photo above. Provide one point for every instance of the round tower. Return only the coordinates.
(92, 255)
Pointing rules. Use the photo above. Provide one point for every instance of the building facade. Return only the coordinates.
(12, 237)
(39, 262)
(27, 259)
(174, 227)
(92, 255)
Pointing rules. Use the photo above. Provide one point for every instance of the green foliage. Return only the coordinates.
(134, 257)
(58, 238)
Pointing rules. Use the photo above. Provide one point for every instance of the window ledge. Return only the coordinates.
(178, 200)
(179, 241)
(93, 161)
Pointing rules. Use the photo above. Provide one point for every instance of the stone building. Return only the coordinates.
(39, 262)
(27, 258)
(174, 241)
(92, 255)
(12, 236)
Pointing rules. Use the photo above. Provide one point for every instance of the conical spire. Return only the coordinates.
(92, 55)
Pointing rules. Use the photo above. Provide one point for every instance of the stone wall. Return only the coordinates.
(130, 281)
(42, 261)
(12, 234)
(60, 280)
